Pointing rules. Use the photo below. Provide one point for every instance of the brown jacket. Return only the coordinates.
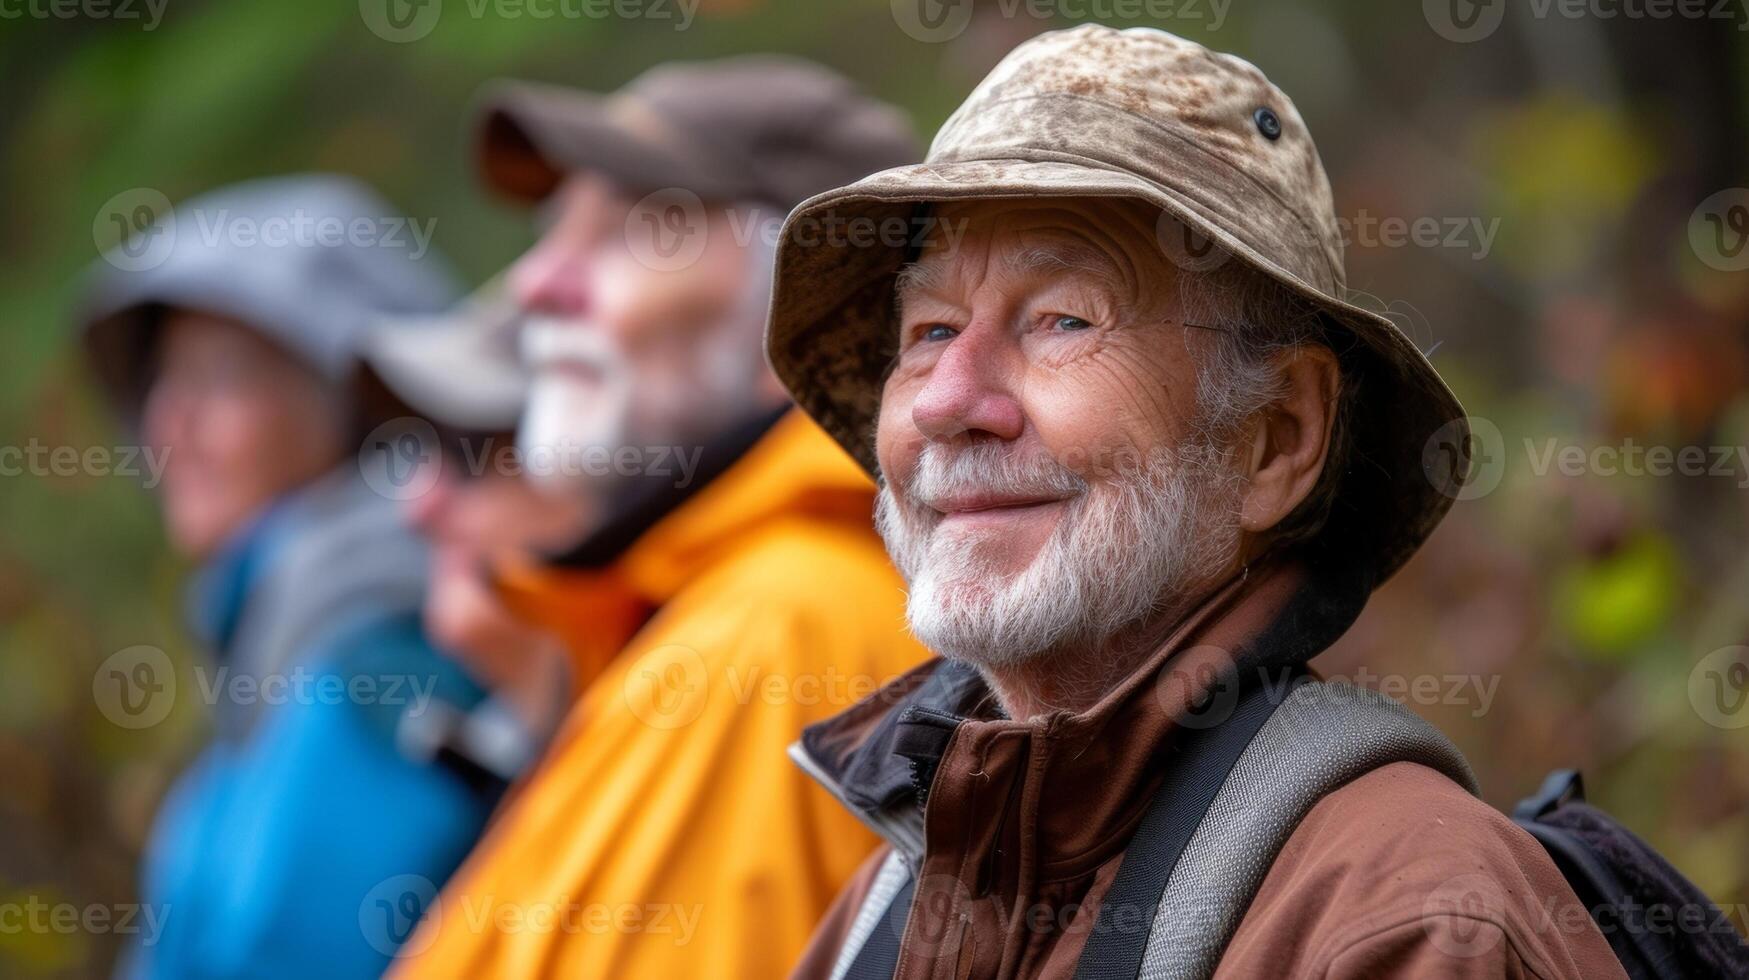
(1023, 824)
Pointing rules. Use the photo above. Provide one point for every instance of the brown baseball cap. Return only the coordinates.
(762, 128)
(1205, 137)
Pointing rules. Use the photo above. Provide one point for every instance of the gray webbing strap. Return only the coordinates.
(1320, 738)
(1199, 759)
(889, 883)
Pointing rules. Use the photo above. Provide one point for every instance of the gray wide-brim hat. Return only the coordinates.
(1145, 115)
(308, 261)
(461, 368)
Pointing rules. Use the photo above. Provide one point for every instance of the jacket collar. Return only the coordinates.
(642, 503)
(218, 593)
(930, 757)
(312, 561)
(598, 594)
(773, 467)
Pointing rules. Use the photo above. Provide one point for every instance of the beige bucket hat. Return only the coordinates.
(1143, 114)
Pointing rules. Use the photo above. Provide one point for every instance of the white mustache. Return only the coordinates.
(549, 342)
(943, 474)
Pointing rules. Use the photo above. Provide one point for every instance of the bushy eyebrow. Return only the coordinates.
(921, 276)
(1049, 261)
(1037, 262)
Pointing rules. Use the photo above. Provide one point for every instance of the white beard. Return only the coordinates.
(587, 393)
(1122, 550)
(579, 399)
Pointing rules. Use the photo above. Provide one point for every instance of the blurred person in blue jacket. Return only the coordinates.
(455, 456)
(332, 801)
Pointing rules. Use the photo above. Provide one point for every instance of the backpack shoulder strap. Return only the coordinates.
(871, 948)
(1200, 758)
(1192, 895)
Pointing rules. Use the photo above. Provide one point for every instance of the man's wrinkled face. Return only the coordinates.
(626, 350)
(1045, 481)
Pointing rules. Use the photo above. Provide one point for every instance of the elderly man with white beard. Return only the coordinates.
(733, 591)
(1140, 460)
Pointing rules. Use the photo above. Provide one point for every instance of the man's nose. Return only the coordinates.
(970, 389)
(553, 279)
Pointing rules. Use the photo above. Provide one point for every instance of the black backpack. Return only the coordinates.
(1625, 883)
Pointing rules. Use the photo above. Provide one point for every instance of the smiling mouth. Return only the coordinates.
(989, 507)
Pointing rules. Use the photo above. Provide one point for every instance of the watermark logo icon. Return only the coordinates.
(1464, 21)
(1465, 465)
(1202, 696)
(932, 21)
(400, 21)
(668, 687)
(135, 230)
(1718, 230)
(135, 687)
(391, 912)
(1186, 247)
(1457, 916)
(945, 917)
(1718, 687)
(668, 229)
(400, 459)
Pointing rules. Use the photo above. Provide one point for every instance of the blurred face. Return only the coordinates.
(472, 522)
(626, 350)
(1045, 482)
(241, 420)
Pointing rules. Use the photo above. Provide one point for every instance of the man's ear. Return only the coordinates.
(1291, 437)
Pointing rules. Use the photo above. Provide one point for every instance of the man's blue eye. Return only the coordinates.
(938, 331)
(1072, 323)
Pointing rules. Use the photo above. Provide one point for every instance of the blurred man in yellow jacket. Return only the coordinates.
(736, 591)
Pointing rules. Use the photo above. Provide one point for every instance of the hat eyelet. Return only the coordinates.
(1268, 123)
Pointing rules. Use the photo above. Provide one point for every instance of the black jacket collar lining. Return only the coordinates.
(642, 502)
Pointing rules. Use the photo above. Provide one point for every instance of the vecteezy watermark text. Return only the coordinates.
(401, 21)
(150, 13)
(402, 460)
(302, 229)
(137, 229)
(1465, 21)
(938, 21)
(1468, 458)
(38, 459)
(37, 916)
(670, 229)
(137, 687)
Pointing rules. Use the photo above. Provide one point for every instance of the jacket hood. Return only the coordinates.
(307, 261)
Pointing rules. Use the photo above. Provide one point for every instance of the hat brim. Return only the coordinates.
(830, 339)
(459, 369)
(528, 137)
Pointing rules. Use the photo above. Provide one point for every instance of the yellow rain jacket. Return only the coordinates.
(665, 834)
